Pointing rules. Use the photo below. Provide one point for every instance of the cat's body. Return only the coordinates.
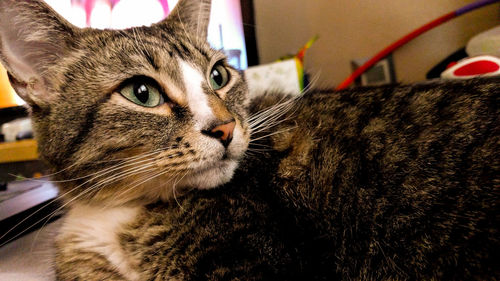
(396, 182)
(399, 194)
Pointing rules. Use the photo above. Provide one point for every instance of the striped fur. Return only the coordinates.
(388, 183)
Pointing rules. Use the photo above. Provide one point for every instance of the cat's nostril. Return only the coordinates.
(218, 134)
(223, 132)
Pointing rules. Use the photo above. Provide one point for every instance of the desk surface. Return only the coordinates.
(31, 257)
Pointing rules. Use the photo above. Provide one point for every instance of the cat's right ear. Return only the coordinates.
(192, 15)
(33, 38)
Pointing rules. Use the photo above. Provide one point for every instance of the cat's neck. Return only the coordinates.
(90, 228)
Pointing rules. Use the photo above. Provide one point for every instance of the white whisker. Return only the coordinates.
(174, 193)
(58, 209)
(273, 133)
(261, 145)
(120, 176)
(128, 160)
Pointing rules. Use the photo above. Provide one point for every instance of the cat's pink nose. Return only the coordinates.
(223, 132)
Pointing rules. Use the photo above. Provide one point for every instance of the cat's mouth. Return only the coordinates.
(215, 164)
(223, 162)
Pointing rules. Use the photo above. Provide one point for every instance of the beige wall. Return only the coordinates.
(355, 29)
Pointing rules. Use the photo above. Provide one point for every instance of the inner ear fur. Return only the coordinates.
(192, 15)
(33, 38)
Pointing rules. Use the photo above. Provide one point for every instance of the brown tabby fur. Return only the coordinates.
(385, 183)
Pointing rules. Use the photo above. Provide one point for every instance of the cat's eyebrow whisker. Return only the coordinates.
(145, 50)
(138, 41)
(313, 82)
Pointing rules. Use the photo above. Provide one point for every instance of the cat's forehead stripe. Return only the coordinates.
(151, 59)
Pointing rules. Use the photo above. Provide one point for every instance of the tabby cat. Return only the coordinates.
(140, 125)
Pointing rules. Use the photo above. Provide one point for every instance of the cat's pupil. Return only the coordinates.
(217, 77)
(141, 92)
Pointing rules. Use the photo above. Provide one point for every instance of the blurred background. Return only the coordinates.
(350, 30)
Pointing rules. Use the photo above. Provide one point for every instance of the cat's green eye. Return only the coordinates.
(219, 76)
(142, 93)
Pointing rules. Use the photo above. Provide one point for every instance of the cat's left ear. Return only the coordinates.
(192, 15)
(33, 38)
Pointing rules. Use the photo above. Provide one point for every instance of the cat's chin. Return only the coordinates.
(212, 176)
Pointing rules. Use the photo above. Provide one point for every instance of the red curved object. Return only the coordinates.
(477, 68)
(385, 52)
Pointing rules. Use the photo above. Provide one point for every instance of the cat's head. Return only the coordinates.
(132, 113)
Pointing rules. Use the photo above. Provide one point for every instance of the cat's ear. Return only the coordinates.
(193, 16)
(33, 38)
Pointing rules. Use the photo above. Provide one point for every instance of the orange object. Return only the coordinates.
(8, 96)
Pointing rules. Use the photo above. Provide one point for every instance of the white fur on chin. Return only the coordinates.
(211, 177)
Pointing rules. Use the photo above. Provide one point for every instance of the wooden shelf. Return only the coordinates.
(25, 150)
